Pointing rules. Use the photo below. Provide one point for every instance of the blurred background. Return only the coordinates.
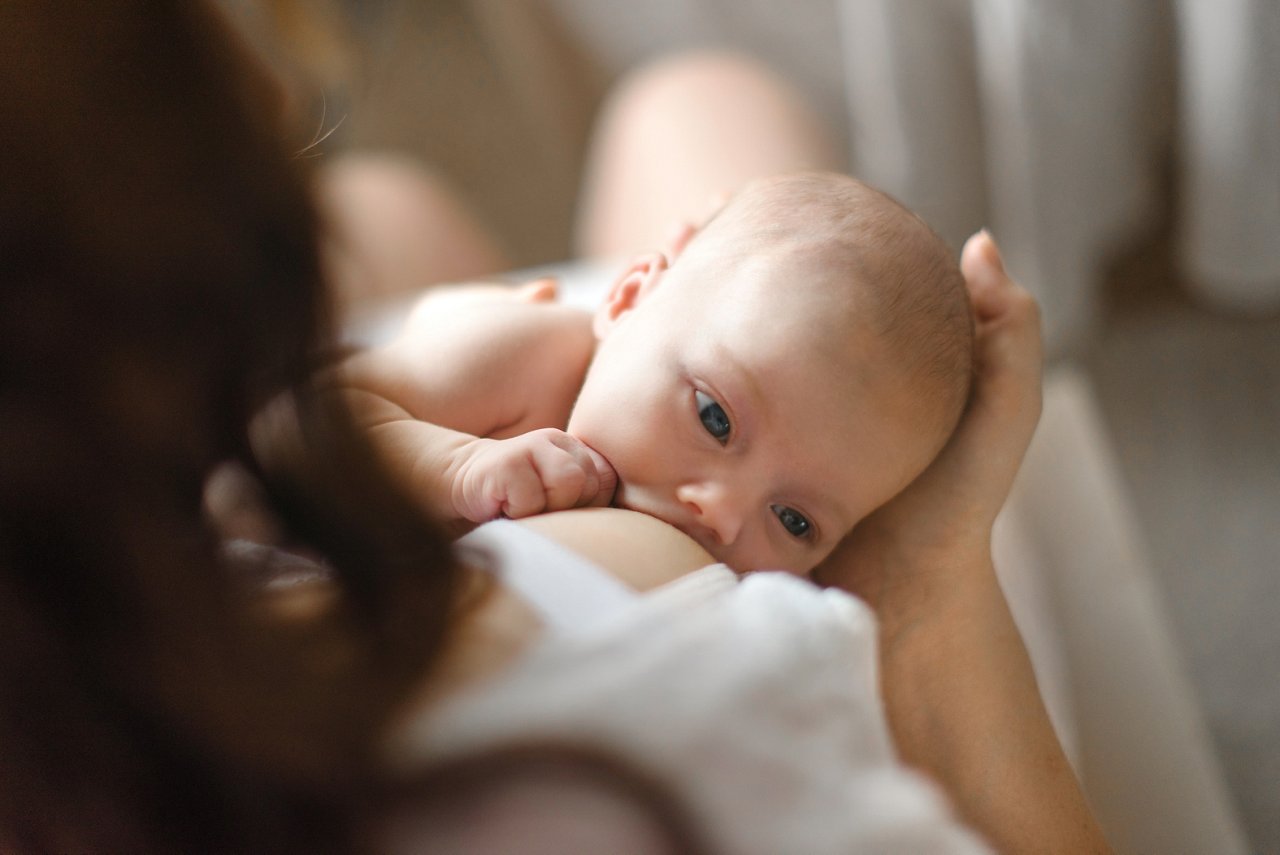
(1125, 153)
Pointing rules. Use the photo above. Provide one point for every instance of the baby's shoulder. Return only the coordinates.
(514, 347)
(498, 327)
(492, 306)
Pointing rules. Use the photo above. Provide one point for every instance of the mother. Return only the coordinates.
(162, 283)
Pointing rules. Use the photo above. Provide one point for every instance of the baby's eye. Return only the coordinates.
(713, 416)
(792, 520)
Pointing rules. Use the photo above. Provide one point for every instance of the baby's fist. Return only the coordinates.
(543, 470)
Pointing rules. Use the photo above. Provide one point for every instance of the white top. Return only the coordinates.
(755, 700)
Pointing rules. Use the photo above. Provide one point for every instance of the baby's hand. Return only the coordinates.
(543, 470)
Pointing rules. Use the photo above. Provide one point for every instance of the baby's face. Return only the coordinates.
(728, 413)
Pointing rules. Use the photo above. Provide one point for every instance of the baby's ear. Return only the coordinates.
(635, 283)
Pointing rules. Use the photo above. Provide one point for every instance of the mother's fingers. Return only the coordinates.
(1008, 317)
(944, 517)
(991, 290)
(1008, 354)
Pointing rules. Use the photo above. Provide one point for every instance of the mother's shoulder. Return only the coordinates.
(641, 551)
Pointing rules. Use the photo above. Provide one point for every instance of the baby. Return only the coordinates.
(796, 366)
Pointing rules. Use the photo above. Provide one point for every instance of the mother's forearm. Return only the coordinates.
(963, 705)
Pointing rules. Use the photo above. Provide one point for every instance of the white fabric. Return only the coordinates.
(756, 701)
(569, 593)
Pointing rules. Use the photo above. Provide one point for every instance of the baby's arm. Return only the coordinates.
(463, 478)
(467, 403)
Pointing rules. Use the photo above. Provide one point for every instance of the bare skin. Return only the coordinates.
(960, 694)
(924, 564)
(703, 393)
(923, 561)
(532, 357)
(469, 403)
(959, 689)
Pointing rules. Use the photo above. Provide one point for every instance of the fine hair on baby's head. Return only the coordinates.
(870, 261)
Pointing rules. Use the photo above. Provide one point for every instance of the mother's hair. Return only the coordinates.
(161, 283)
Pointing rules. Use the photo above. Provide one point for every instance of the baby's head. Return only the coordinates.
(799, 364)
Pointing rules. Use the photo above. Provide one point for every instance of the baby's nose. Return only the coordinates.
(715, 507)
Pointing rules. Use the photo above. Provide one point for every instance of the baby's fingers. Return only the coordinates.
(573, 474)
(607, 479)
(525, 494)
(565, 474)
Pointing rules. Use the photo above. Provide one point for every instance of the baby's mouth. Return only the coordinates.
(622, 499)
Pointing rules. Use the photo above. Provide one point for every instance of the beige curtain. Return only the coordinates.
(1054, 121)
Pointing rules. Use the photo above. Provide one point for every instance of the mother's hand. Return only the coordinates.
(942, 522)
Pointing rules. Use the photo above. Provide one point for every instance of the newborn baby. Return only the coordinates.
(795, 367)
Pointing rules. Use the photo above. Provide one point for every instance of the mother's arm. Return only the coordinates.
(960, 693)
